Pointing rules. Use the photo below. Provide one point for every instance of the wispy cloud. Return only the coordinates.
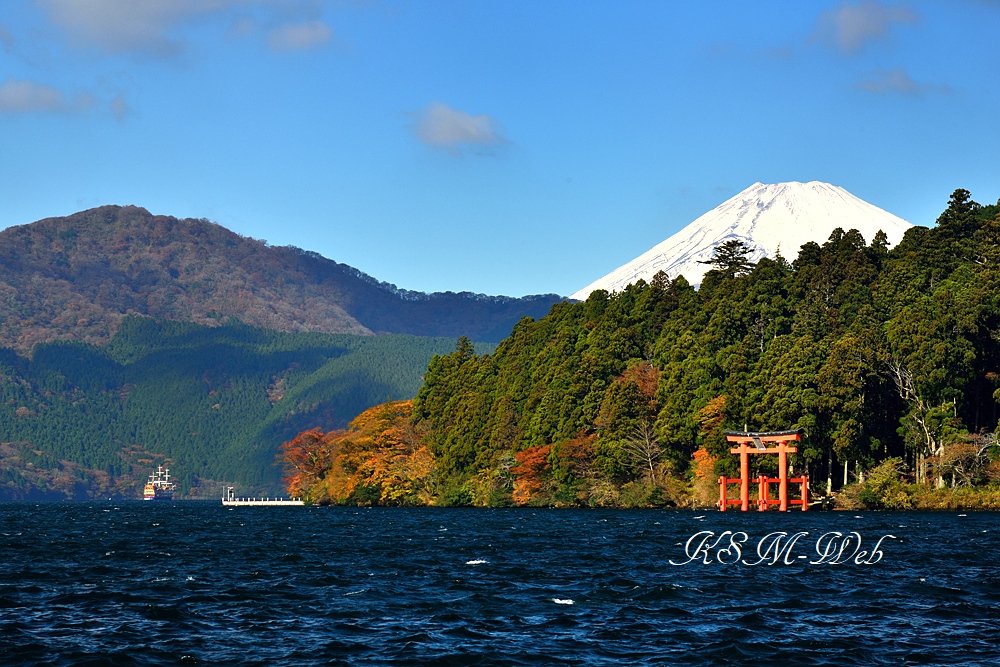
(897, 82)
(155, 27)
(123, 26)
(119, 107)
(722, 48)
(27, 97)
(441, 126)
(299, 36)
(777, 53)
(6, 41)
(851, 26)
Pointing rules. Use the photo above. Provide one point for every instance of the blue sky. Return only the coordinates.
(500, 147)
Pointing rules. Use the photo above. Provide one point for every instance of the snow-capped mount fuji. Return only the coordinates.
(782, 216)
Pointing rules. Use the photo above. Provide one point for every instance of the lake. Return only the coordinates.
(177, 583)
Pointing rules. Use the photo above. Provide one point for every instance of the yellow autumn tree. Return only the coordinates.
(378, 459)
(706, 483)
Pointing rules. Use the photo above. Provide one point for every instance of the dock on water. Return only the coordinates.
(230, 500)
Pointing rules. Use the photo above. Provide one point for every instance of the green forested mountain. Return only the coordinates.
(76, 277)
(875, 353)
(211, 402)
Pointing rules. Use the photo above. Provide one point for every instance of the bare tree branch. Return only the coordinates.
(643, 449)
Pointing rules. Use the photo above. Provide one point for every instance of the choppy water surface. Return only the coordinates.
(196, 583)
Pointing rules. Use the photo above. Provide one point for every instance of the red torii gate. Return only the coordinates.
(782, 449)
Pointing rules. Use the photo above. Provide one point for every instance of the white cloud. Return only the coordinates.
(299, 36)
(850, 26)
(28, 96)
(121, 26)
(156, 27)
(23, 97)
(897, 81)
(443, 127)
(890, 81)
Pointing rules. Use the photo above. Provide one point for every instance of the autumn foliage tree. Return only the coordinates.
(378, 460)
(529, 473)
(306, 461)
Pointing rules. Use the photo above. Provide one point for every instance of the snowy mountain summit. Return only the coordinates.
(783, 216)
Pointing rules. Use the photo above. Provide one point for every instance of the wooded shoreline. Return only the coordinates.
(888, 360)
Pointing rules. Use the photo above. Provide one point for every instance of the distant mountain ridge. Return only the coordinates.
(772, 218)
(76, 277)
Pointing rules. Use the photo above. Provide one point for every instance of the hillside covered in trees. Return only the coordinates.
(213, 403)
(76, 277)
(887, 358)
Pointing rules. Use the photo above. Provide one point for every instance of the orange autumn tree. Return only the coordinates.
(529, 473)
(378, 459)
(703, 466)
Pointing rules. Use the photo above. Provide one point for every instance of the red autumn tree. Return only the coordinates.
(306, 461)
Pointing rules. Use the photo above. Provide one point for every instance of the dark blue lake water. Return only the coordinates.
(196, 583)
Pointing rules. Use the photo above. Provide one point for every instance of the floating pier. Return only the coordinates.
(229, 500)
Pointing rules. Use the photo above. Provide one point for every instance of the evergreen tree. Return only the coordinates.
(731, 259)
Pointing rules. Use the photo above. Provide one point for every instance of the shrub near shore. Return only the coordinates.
(885, 488)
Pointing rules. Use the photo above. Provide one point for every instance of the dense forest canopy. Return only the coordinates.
(880, 355)
(213, 403)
